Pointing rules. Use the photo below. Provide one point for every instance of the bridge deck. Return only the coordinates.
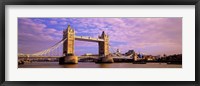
(82, 38)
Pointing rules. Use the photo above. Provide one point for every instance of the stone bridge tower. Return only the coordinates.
(104, 45)
(68, 46)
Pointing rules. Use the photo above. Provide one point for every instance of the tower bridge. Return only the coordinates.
(69, 35)
(68, 45)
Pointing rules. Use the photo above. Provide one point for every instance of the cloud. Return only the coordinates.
(32, 33)
(137, 32)
(149, 35)
(53, 22)
(63, 23)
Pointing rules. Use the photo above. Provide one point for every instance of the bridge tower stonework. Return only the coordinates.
(104, 46)
(68, 47)
(104, 49)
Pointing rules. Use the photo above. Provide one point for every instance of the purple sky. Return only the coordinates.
(153, 36)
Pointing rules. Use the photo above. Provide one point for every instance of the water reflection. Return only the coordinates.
(70, 66)
(94, 65)
(105, 65)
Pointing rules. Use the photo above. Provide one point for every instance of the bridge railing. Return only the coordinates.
(87, 38)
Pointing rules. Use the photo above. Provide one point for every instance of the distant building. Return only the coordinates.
(149, 58)
(118, 51)
(158, 56)
(130, 52)
(140, 55)
(134, 55)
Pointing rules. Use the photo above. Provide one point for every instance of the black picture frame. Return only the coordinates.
(99, 2)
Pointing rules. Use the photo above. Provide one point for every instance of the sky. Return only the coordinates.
(152, 36)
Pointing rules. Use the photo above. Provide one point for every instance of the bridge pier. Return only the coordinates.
(68, 59)
(105, 59)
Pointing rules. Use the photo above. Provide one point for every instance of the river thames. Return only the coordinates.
(96, 65)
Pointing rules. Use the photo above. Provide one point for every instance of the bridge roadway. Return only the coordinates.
(80, 57)
(85, 38)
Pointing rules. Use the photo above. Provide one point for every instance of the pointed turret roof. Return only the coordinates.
(103, 33)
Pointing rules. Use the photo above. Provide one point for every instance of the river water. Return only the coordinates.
(96, 65)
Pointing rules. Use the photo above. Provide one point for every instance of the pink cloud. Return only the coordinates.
(140, 32)
(149, 35)
(39, 32)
